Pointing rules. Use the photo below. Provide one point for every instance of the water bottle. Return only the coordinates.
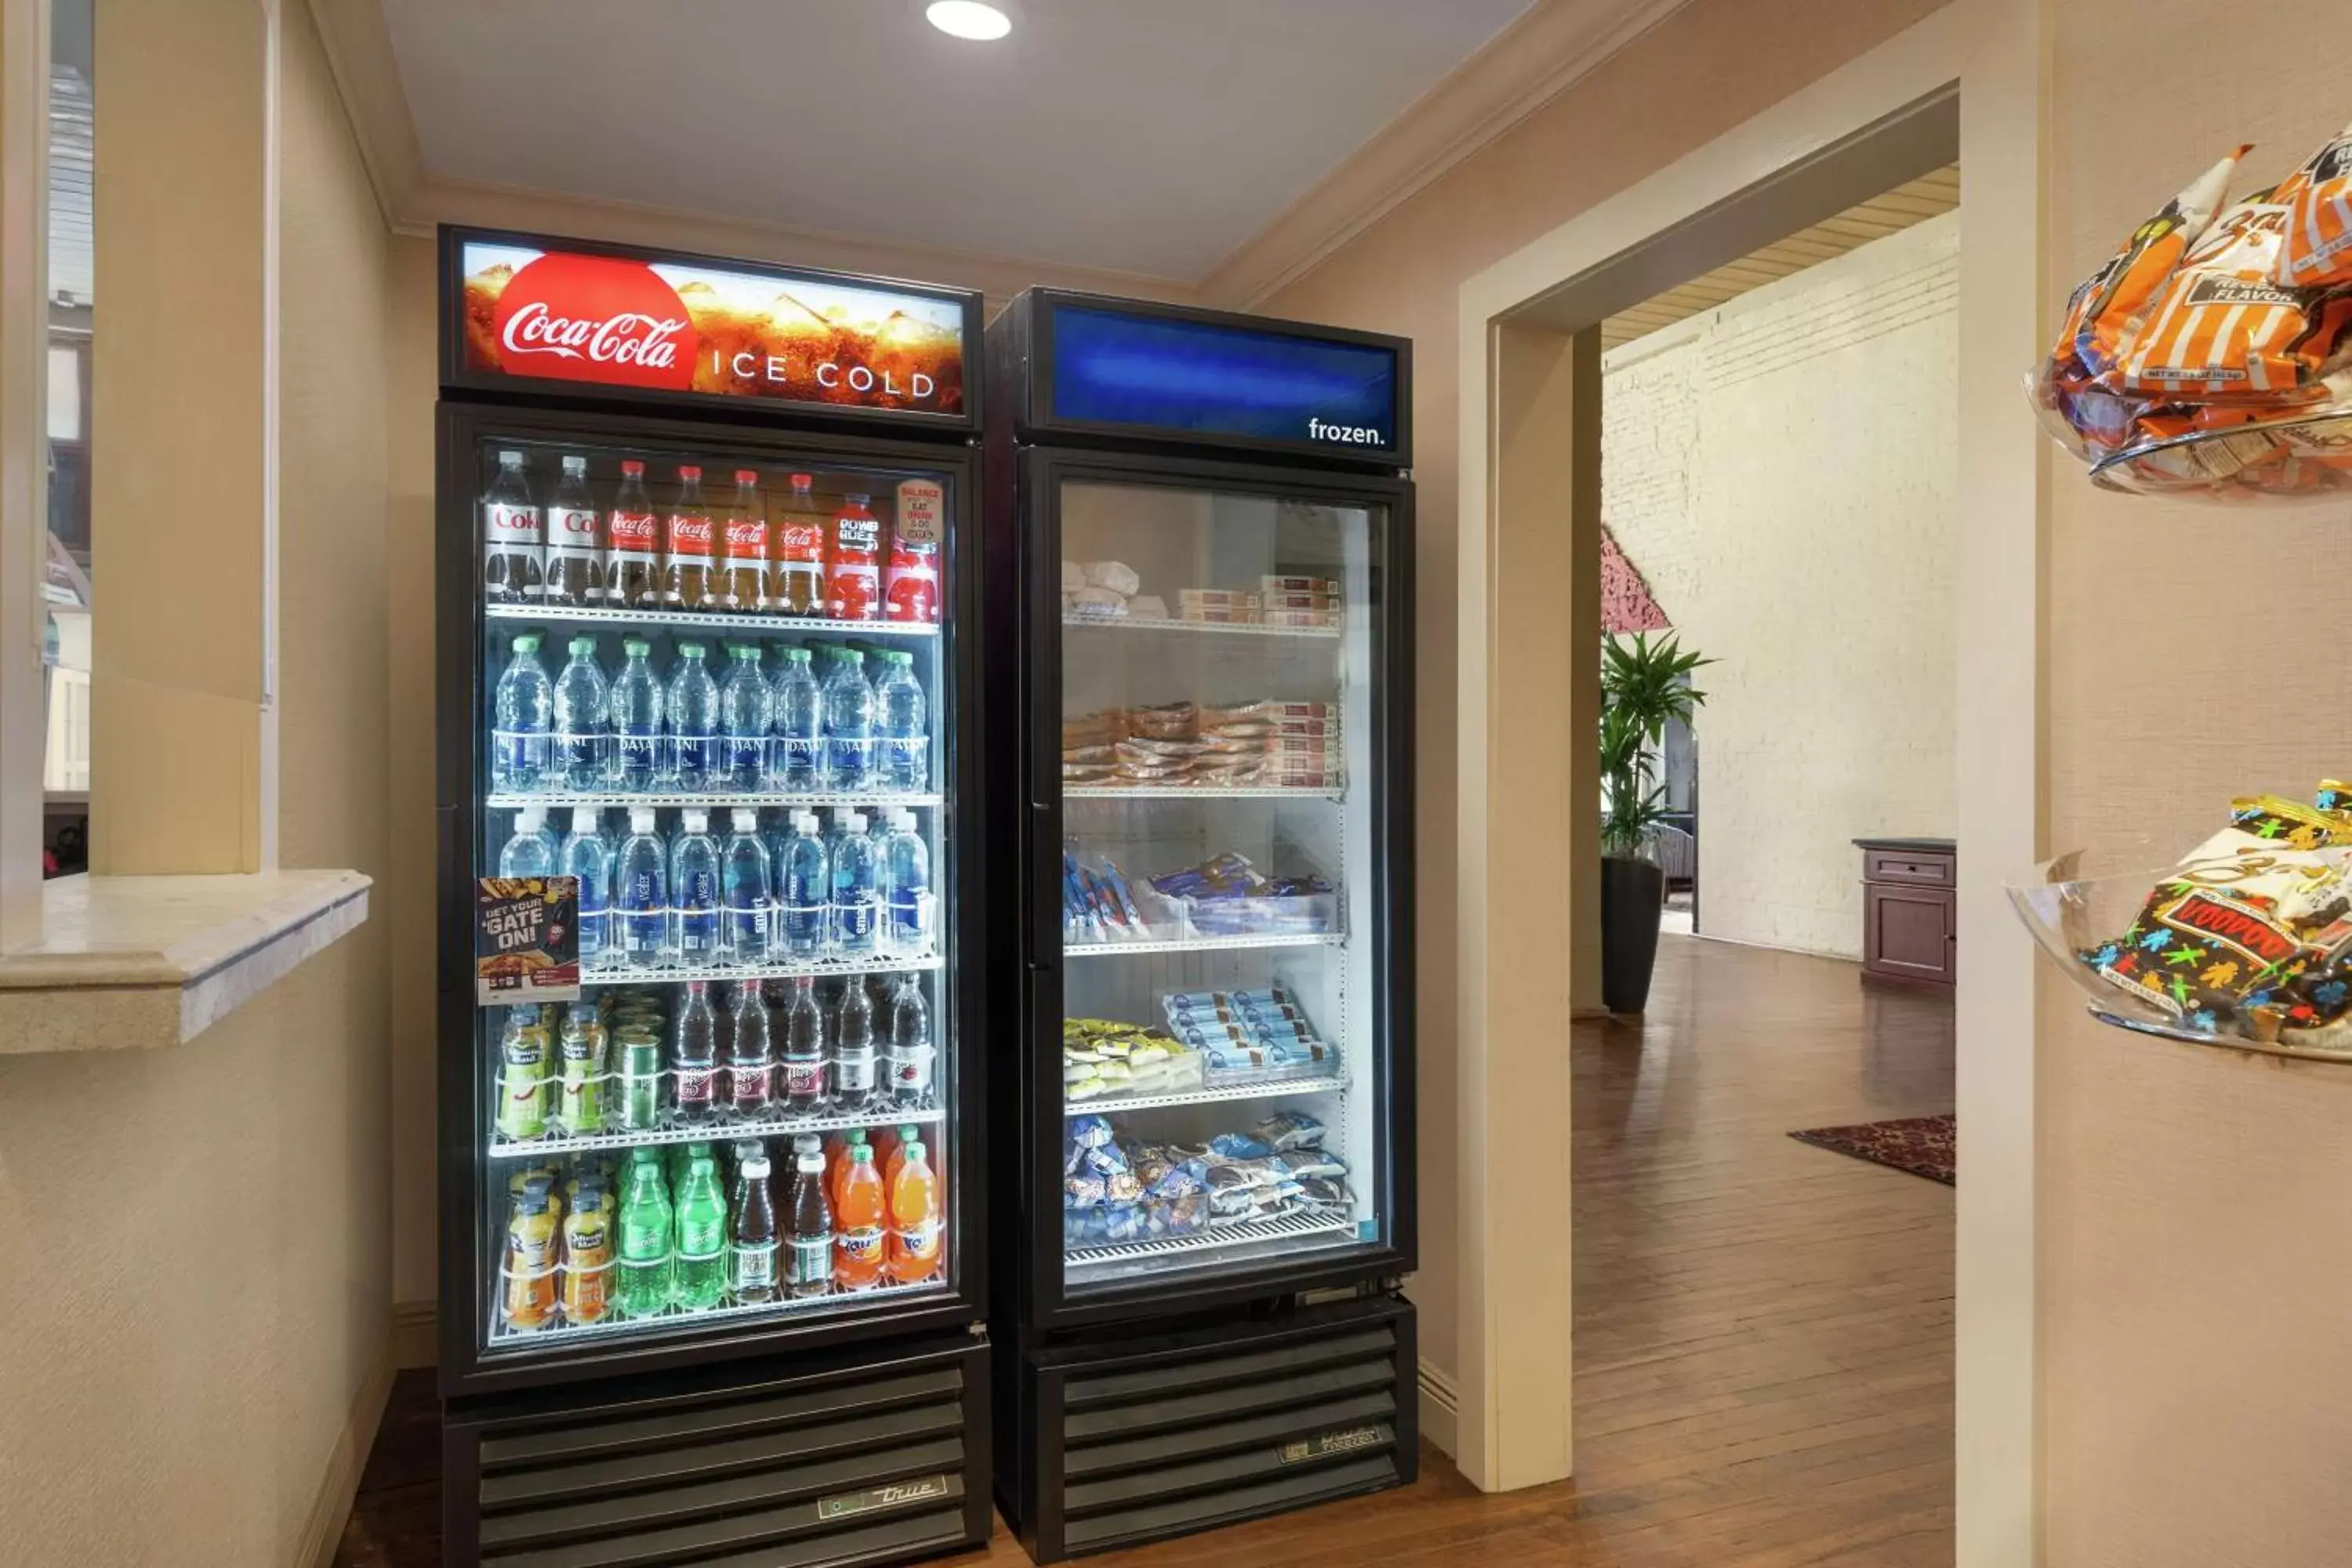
(743, 706)
(853, 1047)
(804, 892)
(582, 717)
(641, 894)
(904, 759)
(856, 900)
(747, 889)
(849, 725)
(796, 710)
(804, 1061)
(693, 706)
(911, 1046)
(905, 888)
(525, 715)
(531, 851)
(694, 893)
(636, 709)
(583, 855)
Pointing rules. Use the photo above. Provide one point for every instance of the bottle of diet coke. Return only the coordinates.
(575, 577)
(633, 576)
(689, 561)
(514, 545)
(855, 590)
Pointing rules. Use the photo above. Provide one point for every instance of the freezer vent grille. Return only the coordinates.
(859, 1468)
(1182, 1444)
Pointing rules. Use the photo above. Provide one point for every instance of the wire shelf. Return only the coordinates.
(1282, 1228)
(502, 1337)
(862, 964)
(704, 620)
(1212, 628)
(1256, 1088)
(1202, 944)
(556, 799)
(717, 1129)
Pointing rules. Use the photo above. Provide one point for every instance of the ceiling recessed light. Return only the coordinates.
(969, 19)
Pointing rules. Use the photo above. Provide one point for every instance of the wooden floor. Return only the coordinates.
(1763, 1329)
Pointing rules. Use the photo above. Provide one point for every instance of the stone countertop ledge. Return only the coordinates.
(146, 962)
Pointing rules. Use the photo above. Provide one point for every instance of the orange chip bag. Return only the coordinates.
(2222, 330)
(2316, 248)
(2103, 314)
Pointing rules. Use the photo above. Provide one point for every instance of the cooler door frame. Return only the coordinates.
(463, 424)
(1041, 473)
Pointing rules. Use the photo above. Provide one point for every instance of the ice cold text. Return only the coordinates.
(748, 366)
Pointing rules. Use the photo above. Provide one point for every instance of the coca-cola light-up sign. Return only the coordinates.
(657, 325)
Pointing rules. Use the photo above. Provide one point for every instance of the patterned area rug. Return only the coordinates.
(1923, 1145)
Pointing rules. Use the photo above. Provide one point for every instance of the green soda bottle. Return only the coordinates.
(701, 1238)
(646, 1279)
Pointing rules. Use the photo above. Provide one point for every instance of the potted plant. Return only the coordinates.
(1643, 685)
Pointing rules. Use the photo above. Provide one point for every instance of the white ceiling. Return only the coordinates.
(1149, 138)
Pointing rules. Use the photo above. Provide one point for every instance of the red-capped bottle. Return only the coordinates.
(854, 589)
(633, 535)
(690, 547)
(796, 548)
(911, 586)
(744, 559)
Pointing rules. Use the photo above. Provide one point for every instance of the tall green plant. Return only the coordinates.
(1644, 686)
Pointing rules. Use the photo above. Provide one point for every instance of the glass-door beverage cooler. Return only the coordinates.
(1210, 1073)
(712, 1251)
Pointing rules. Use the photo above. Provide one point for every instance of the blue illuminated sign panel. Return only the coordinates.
(1191, 378)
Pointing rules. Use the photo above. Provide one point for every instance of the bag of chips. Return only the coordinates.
(2222, 330)
(2317, 249)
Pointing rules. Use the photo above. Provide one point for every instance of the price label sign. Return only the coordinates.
(526, 939)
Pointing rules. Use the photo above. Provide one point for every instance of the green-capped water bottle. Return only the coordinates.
(701, 1238)
(646, 1273)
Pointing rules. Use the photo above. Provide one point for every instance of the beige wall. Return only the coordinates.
(1782, 471)
(1624, 122)
(2197, 1253)
(198, 1288)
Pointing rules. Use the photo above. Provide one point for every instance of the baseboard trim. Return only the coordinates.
(416, 1334)
(323, 1531)
(1441, 1408)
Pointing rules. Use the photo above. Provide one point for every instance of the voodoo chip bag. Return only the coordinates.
(2316, 251)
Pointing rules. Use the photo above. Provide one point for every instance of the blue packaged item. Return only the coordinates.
(1286, 1129)
(1237, 1146)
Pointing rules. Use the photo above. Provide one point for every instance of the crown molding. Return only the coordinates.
(1520, 70)
(437, 201)
(360, 57)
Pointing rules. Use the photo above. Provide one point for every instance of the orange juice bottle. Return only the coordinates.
(857, 1225)
(890, 1150)
(836, 1169)
(588, 1255)
(917, 1232)
(530, 1259)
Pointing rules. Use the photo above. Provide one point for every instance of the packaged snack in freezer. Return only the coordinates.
(1147, 607)
(1304, 729)
(1297, 619)
(1074, 578)
(1288, 1130)
(1097, 604)
(1283, 710)
(1217, 599)
(1116, 575)
(1238, 1146)
(1211, 616)
(1165, 720)
(1141, 748)
(1308, 1164)
(1324, 1194)
(1236, 713)
(1264, 996)
(1328, 586)
(1320, 601)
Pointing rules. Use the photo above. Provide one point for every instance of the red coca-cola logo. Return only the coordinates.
(595, 318)
(689, 535)
(747, 541)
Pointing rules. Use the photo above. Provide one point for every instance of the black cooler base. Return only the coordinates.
(1119, 1440)
(875, 1456)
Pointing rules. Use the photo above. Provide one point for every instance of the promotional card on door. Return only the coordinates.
(527, 939)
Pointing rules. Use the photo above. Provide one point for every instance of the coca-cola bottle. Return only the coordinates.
(690, 560)
(514, 545)
(633, 575)
(575, 576)
(743, 569)
(796, 585)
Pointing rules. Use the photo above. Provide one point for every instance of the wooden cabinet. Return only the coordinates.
(1910, 930)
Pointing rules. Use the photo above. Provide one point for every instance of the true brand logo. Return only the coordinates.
(594, 318)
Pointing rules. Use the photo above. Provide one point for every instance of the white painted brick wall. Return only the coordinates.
(1783, 473)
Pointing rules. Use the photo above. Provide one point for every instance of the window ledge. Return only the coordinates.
(148, 962)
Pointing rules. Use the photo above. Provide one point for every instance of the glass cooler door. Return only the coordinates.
(1224, 1032)
(754, 793)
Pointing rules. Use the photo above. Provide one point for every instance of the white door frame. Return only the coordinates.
(1519, 370)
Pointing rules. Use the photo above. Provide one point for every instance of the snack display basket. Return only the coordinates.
(2211, 464)
(2075, 904)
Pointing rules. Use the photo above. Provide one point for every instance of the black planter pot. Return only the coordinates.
(1633, 894)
